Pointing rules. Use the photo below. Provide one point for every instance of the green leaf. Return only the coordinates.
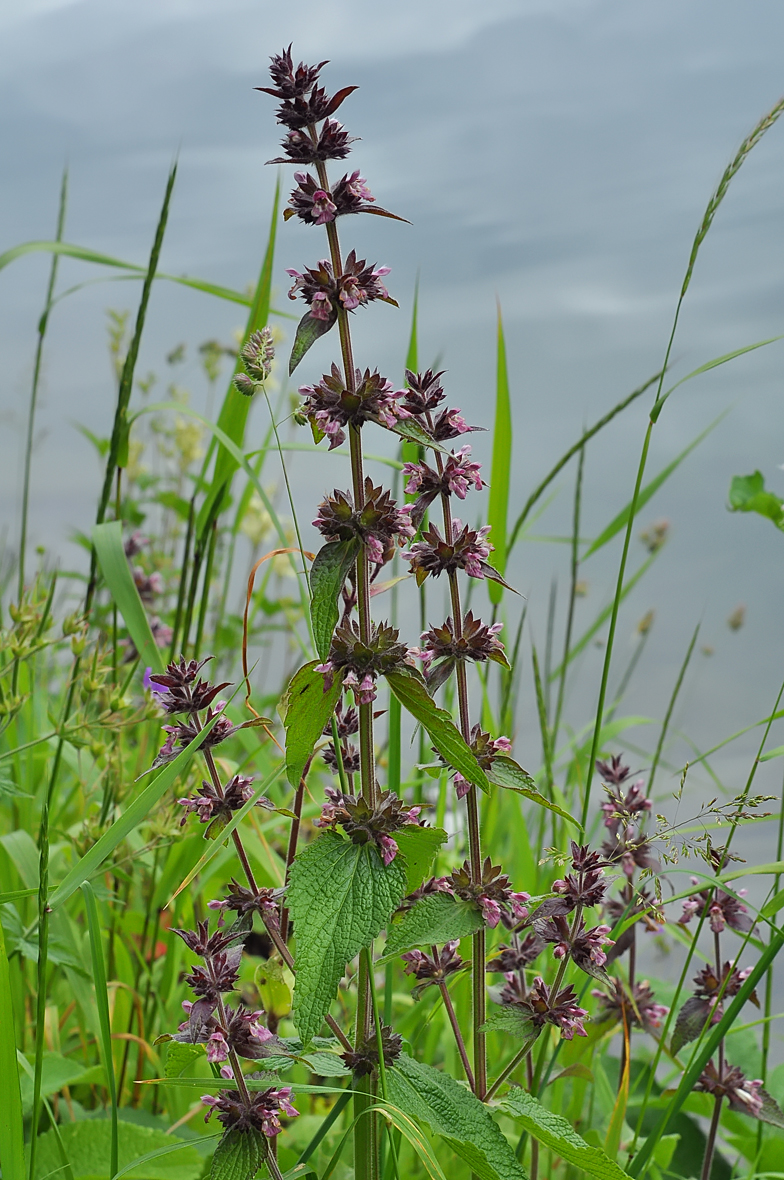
(434, 919)
(505, 772)
(650, 489)
(307, 709)
(414, 434)
(748, 494)
(179, 1056)
(500, 472)
(555, 1132)
(89, 864)
(239, 1155)
(410, 690)
(419, 848)
(773, 906)
(327, 575)
(59, 1071)
(87, 1146)
(326, 1065)
(83, 254)
(511, 1020)
(309, 330)
(104, 1020)
(11, 1123)
(457, 1115)
(108, 542)
(340, 896)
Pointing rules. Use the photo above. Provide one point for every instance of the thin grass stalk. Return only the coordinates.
(43, 323)
(186, 555)
(766, 1028)
(575, 569)
(712, 208)
(668, 715)
(205, 591)
(102, 1003)
(539, 491)
(548, 646)
(120, 427)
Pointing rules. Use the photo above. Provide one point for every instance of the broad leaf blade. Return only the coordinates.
(748, 494)
(500, 472)
(457, 1115)
(435, 919)
(327, 576)
(419, 848)
(308, 708)
(239, 1155)
(555, 1132)
(340, 897)
(108, 542)
(410, 690)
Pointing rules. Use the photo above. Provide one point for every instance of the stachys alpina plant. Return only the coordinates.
(366, 870)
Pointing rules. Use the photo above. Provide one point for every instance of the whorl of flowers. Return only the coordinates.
(324, 292)
(363, 1060)
(361, 663)
(543, 1005)
(331, 406)
(722, 909)
(442, 649)
(638, 1009)
(492, 895)
(261, 1114)
(458, 473)
(378, 524)
(468, 550)
(365, 823)
(210, 805)
(433, 970)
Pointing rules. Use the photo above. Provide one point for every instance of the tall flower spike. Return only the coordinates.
(331, 407)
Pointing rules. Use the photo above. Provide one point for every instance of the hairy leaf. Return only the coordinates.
(511, 1020)
(239, 1155)
(689, 1023)
(308, 708)
(434, 919)
(457, 1115)
(555, 1132)
(179, 1056)
(327, 575)
(340, 896)
(419, 848)
(410, 690)
(309, 330)
(86, 1144)
(505, 772)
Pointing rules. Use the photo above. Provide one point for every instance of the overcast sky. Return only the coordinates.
(555, 155)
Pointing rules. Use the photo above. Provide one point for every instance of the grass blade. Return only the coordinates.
(650, 489)
(108, 544)
(500, 472)
(588, 434)
(11, 1123)
(119, 430)
(102, 1003)
(90, 863)
(42, 326)
(670, 707)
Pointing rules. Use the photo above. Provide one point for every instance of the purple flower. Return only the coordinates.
(217, 1049)
(492, 895)
(639, 1009)
(378, 524)
(331, 406)
(543, 1006)
(432, 971)
(364, 823)
(468, 550)
(723, 910)
(732, 1084)
(261, 1115)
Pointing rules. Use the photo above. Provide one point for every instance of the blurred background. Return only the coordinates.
(555, 156)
